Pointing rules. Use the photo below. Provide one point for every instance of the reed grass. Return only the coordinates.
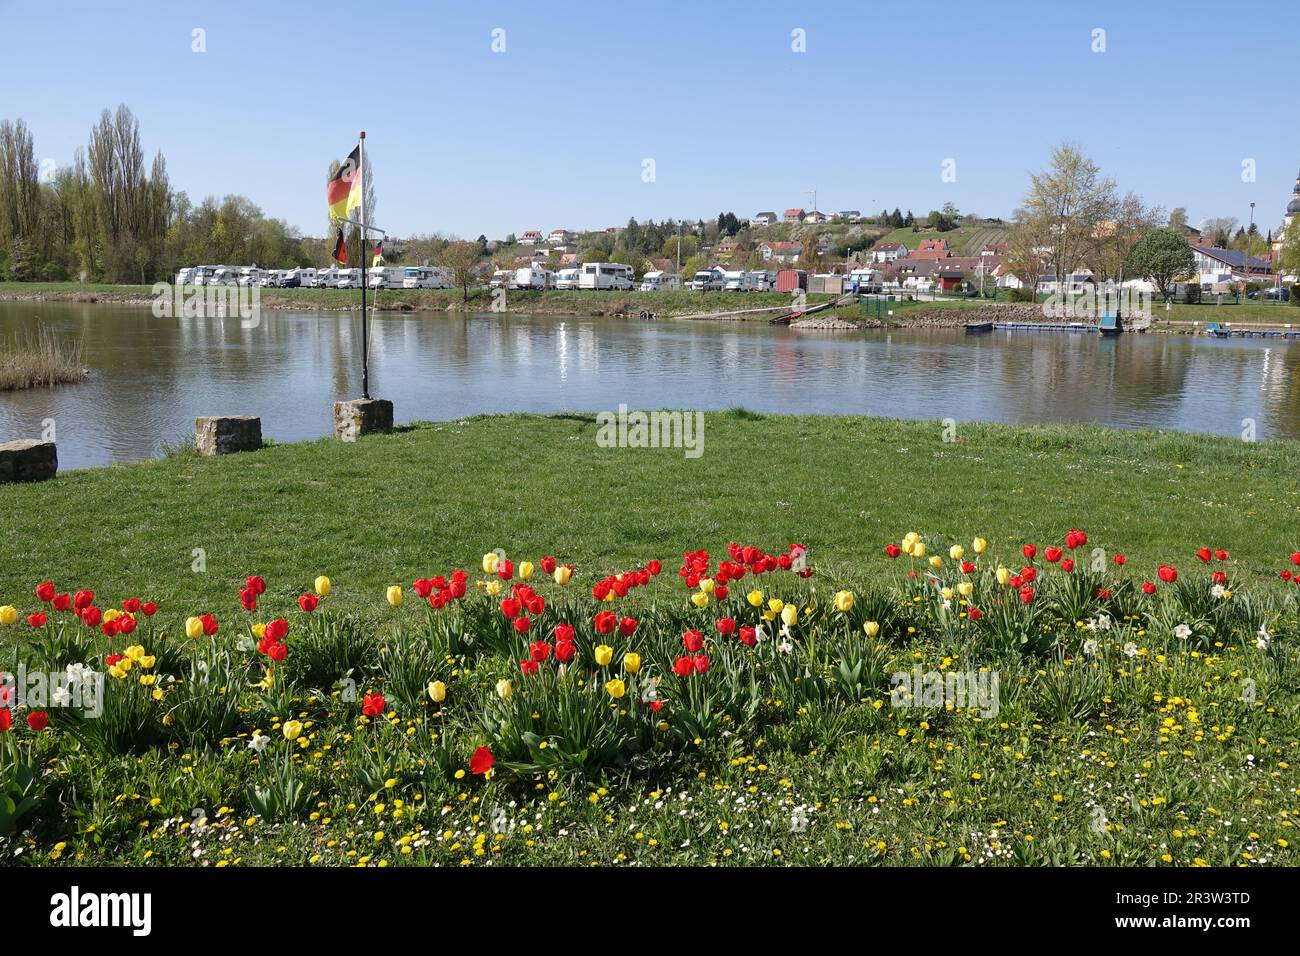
(39, 360)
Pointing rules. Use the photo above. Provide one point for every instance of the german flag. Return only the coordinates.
(344, 189)
(341, 248)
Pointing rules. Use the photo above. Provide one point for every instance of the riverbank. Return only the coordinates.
(364, 735)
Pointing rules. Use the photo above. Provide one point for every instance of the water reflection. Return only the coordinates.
(151, 377)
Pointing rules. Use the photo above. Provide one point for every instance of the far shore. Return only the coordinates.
(1182, 319)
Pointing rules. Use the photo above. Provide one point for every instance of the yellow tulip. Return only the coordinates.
(119, 669)
(789, 614)
(945, 593)
(615, 688)
(148, 661)
(910, 539)
(8, 614)
(769, 616)
(322, 585)
(493, 588)
(292, 729)
(526, 570)
(437, 691)
(562, 575)
(504, 689)
(979, 545)
(844, 601)
(112, 614)
(956, 552)
(193, 627)
(755, 598)
(631, 662)
(918, 549)
(706, 585)
(604, 654)
(872, 628)
(394, 595)
(700, 599)
(135, 652)
(259, 631)
(964, 588)
(936, 561)
(1003, 575)
(775, 605)
(490, 562)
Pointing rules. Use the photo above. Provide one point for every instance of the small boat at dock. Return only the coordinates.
(975, 328)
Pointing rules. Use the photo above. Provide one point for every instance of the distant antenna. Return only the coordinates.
(812, 192)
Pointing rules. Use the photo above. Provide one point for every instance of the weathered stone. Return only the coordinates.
(223, 434)
(362, 416)
(28, 460)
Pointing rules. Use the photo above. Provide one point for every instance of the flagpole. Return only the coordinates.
(365, 339)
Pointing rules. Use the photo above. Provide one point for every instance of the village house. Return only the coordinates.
(560, 237)
(531, 238)
(931, 249)
(1222, 266)
(793, 215)
(762, 219)
(780, 251)
(888, 252)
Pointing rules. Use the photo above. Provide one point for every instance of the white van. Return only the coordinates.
(203, 274)
(500, 278)
(327, 278)
(733, 281)
(386, 277)
(426, 277)
(605, 275)
(224, 275)
(566, 279)
(658, 281)
(707, 280)
(760, 280)
(531, 278)
(349, 279)
(185, 277)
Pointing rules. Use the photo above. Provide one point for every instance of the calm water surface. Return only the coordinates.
(151, 377)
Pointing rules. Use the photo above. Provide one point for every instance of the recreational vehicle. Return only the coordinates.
(760, 280)
(531, 278)
(707, 280)
(250, 276)
(386, 277)
(349, 279)
(660, 281)
(203, 274)
(566, 279)
(605, 275)
(733, 281)
(425, 277)
(185, 277)
(224, 275)
(500, 277)
(866, 280)
(327, 278)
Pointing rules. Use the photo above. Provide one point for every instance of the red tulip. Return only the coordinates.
(308, 602)
(248, 598)
(893, 550)
(974, 614)
(967, 567)
(125, 624)
(1148, 587)
(150, 608)
(1067, 565)
(36, 620)
(528, 667)
(45, 591)
(539, 650)
(109, 628)
(1028, 574)
(701, 662)
(627, 627)
(1285, 575)
(748, 636)
(1167, 574)
(83, 600)
(1219, 577)
(61, 602)
(1026, 594)
(6, 719)
(37, 720)
(277, 629)
(131, 605)
(210, 625)
(1052, 554)
(693, 641)
(1120, 559)
(606, 621)
(653, 566)
(1029, 551)
(564, 651)
(1295, 557)
(522, 624)
(372, 705)
(481, 762)
(510, 607)
(277, 652)
(111, 659)
(682, 667)
(548, 565)
(90, 616)
(1075, 538)
(1221, 555)
(656, 705)
(255, 584)
(505, 569)
(563, 633)
(1203, 555)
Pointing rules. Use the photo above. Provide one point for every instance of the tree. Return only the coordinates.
(461, 258)
(1066, 206)
(1115, 236)
(1178, 219)
(1219, 230)
(1162, 255)
(1290, 261)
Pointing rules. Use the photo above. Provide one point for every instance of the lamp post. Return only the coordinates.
(1250, 241)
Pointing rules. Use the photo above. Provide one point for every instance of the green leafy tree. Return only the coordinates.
(1162, 255)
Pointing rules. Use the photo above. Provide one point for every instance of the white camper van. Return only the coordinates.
(203, 274)
(250, 276)
(327, 278)
(349, 279)
(566, 279)
(707, 280)
(531, 278)
(386, 277)
(659, 281)
(733, 281)
(605, 275)
(426, 277)
(224, 275)
(500, 277)
(760, 280)
(185, 277)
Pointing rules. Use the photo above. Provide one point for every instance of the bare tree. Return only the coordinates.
(1066, 205)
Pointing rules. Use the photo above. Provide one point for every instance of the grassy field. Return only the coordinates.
(1149, 746)
(963, 241)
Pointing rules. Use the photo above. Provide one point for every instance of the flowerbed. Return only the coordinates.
(533, 711)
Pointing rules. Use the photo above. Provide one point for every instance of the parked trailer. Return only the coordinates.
(606, 275)
(659, 281)
(530, 278)
(791, 280)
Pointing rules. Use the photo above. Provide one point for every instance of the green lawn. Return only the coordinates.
(1143, 748)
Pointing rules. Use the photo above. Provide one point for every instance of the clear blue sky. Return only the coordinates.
(552, 132)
